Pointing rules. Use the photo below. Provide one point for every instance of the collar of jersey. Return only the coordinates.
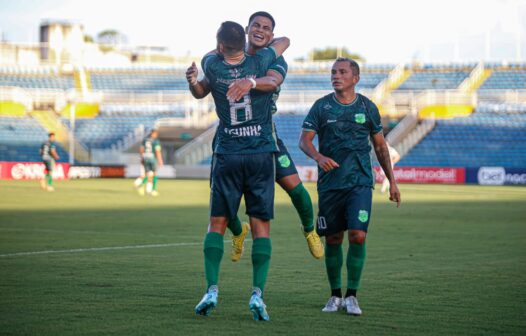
(237, 64)
(346, 105)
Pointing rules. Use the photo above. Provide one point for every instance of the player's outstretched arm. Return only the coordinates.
(382, 153)
(199, 89)
(159, 158)
(280, 44)
(268, 83)
(308, 148)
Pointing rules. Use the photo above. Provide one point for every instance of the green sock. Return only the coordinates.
(144, 180)
(49, 179)
(213, 248)
(333, 264)
(301, 199)
(154, 187)
(355, 262)
(261, 251)
(235, 226)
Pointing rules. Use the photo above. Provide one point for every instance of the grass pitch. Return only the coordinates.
(450, 261)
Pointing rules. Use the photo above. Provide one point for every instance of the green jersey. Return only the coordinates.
(45, 150)
(150, 146)
(245, 126)
(281, 67)
(344, 133)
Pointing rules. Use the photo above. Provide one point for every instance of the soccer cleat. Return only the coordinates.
(50, 188)
(208, 302)
(43, 184)
(351, 303)
(154, 193)
(238, 242)
(333, 305)
(257, 306)
(315, 244)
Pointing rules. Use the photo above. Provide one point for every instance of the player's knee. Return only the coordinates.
(335, 239)
(218, 225)
(357, 237)
(150, 174)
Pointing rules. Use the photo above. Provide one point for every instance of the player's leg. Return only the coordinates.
(331, 224)
(259, 199)
(225, 197)
(43, 181)
(149, 184)
(288, 179)
(358, 217)
(239, 231)
(139, 181)
(49, 175)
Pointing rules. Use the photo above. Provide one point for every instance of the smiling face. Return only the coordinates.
(259, 32)
(343, 77)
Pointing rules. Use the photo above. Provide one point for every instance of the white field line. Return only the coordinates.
(96, 249)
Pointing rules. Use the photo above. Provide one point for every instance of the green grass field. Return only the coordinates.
(450, 261)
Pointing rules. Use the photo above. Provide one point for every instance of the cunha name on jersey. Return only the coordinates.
(244, 131)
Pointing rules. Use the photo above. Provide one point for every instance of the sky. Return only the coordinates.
(381, 31)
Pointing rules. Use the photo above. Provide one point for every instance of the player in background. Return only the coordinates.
(152, 159)
(243, 162)
(48, 153)
(260, 32)
(346, 123)
(395, 157)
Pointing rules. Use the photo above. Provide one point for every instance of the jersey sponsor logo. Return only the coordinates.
(284, 161)
(359, 118)
(308, 123)
(244, 131)
(327, 106)
(491, 175)
(329, 121)
(363, 216)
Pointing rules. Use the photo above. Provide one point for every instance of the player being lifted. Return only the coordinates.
(260, 31)
(48, 153)
(152, 159)
(243, 161)
(346, 123)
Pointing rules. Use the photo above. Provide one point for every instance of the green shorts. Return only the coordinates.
(50, 165)
(150, 166)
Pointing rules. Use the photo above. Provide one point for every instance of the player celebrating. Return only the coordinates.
(345, 122)
(243, 162)
(152, 159)
(260, 34)
(49, 155)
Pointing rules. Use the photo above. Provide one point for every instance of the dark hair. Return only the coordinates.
(232, 36)
(354, 66)
(50, 134)
(264, 14)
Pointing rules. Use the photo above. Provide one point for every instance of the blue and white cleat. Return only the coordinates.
(208, 302)
(257, 306)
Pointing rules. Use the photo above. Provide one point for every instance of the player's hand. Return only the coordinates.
(161, 164)
(394, 194)
(326, 163)
(238, 89)
(191, 74)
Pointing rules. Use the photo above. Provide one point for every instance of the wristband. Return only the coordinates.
(194, 83)
(253, 81)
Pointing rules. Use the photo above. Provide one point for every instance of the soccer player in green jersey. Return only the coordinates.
(152, 159)
(243, 162)
(260, 32)
(346, 123)
(48, 153)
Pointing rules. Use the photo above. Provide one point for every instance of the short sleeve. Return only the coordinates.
(311, 121)
(280, 66)
(157, 146)
(267, 56)
(206, 61)
(376, 120)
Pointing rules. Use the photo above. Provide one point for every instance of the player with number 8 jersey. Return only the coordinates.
(245, 126)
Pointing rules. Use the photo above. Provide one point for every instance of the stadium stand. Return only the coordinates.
(20, 140)
(495, 135)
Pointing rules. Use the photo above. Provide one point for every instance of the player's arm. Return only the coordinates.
(268, 83)
(382, 153)
(306, 145)
(199, 89)
(54, 154)
(159, 156)
(280, 44)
